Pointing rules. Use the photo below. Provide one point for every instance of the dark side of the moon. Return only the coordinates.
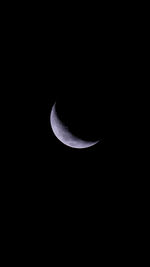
(83, 114)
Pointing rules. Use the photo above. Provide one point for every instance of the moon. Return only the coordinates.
(64, 135)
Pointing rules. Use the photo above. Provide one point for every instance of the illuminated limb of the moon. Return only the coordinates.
(64, 135)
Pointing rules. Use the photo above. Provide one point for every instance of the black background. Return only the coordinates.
(71, 64)
(85, 67)
(84, 64)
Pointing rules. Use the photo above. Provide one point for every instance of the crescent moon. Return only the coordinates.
(64, 135)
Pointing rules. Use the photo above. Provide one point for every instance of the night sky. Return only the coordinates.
(80, 65)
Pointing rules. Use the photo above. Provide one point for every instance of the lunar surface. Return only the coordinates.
(64, 135)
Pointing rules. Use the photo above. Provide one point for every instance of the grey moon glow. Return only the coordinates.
(64, 135)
